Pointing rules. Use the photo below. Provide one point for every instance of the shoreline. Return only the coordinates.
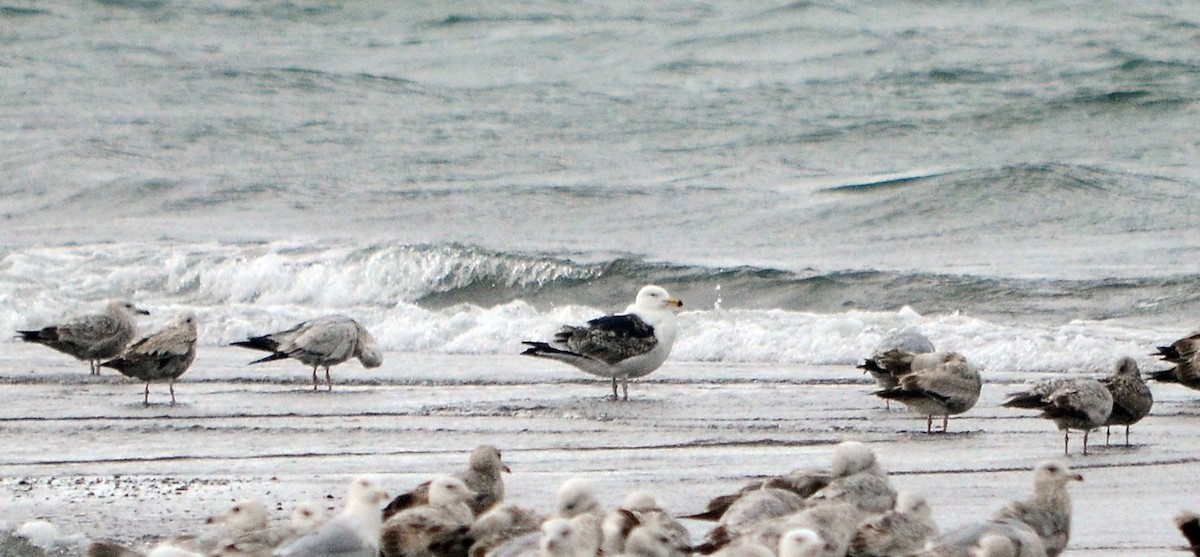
(87, 455)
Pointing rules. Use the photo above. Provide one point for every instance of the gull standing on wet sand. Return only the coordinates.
(91, 337)
(1185, 354)
(1131, 396)
(162, 356)
(321, 342)
(624, 346)
(938, 384)
(907, 340)
(1082, 404)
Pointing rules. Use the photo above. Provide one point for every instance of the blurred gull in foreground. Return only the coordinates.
(432, 529)
(355, 532)
(482, 476)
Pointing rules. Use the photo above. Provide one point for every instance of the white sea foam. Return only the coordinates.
(742, 336)
(238, 291)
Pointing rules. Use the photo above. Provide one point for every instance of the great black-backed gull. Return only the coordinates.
(622, 347)
(91, 337)
(322, 342)
(162, 356)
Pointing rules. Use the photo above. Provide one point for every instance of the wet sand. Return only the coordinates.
(85, 453)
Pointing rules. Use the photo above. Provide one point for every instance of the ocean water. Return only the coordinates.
(1018, 179)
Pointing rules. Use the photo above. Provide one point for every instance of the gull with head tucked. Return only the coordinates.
(624, 346)
(321, 342)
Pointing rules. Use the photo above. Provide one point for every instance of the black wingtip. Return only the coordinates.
(1189, 525)
(717, 538)
(539, 348)
(1021, 400)
(258, 343)
(711, 515)
(1163, 376)
(118, 364)
(871, 365)
(891, 394)
(1167, 353)
(40, 335)
(401, 502)
(271, 358)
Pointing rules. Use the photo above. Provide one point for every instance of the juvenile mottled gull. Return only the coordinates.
(305, 518)
(242, 518)
(162, 356)
(354, 532)
(91, 337)
(239, 519)
(1181, 350)
(501, 523)
(856, 477)
(623, 347)
(802, 481)
(834, 522)
(1131, 396)
(1081, 404)
(321, 342)
(437, 529)
(939, 384)
(576, 501)
(759, 505)
(640, 526)
(908, 340)
(1185, 354)
(899, 531)
(482, 476)
(1048, 512)
(654, 540)
(1186, 373)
